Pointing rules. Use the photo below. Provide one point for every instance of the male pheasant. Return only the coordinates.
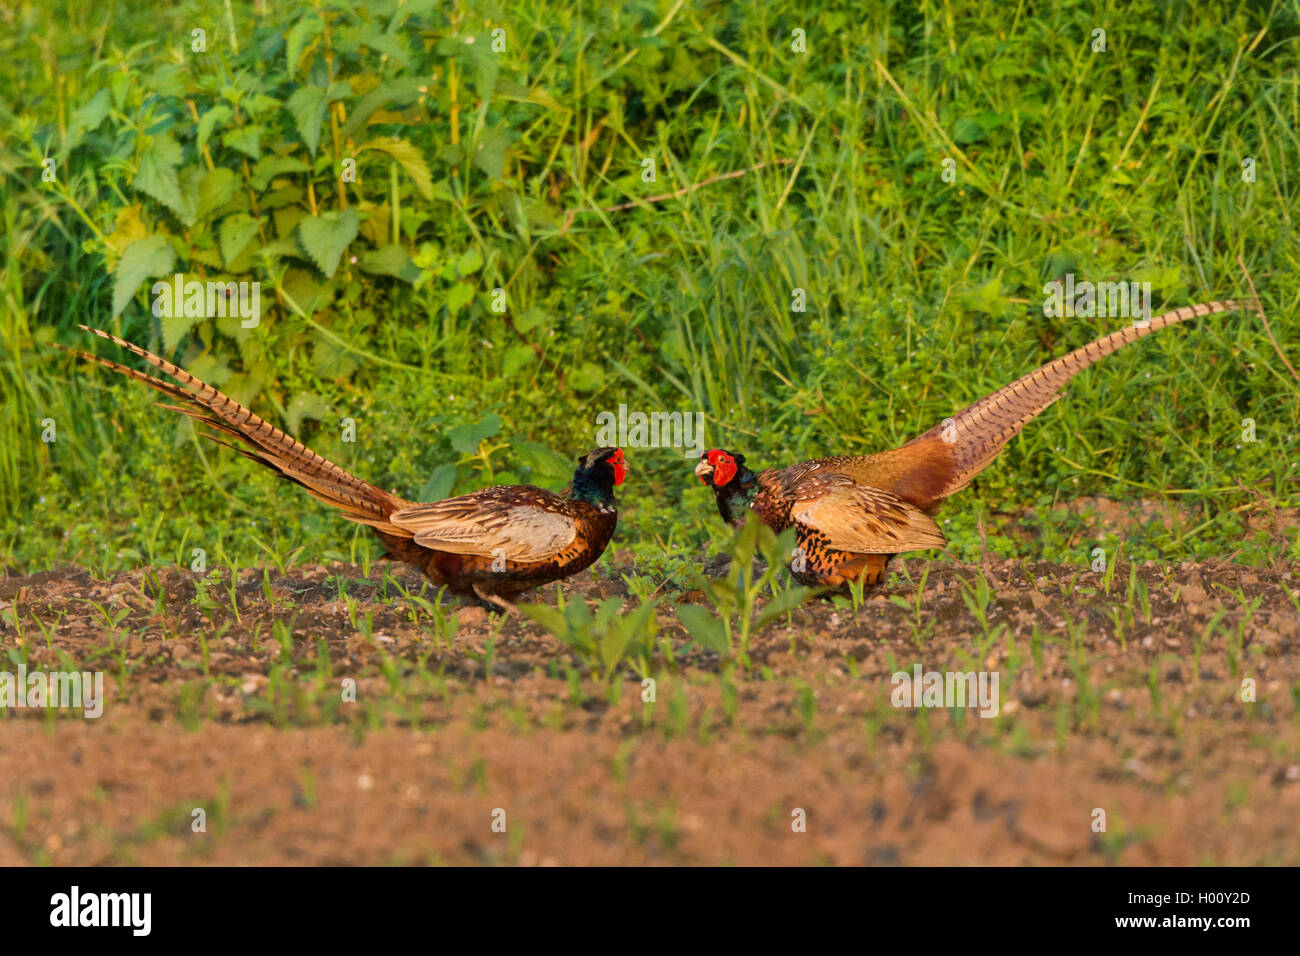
(491, 544)
(851, 514)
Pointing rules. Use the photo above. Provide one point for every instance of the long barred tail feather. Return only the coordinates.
(979, 432)
(259, 440)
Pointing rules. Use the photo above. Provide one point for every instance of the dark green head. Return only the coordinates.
(597, 473)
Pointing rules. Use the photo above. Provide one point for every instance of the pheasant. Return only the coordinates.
(490, 545)
(851, 514)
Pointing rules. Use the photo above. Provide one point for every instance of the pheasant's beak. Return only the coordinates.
(704, 471)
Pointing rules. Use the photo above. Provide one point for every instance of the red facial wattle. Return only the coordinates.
(619, 464)
(724, 467)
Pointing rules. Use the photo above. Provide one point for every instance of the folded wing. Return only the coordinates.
(523, 527)
(862, 519)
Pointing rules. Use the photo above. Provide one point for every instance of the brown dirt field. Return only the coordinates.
(1101, 709)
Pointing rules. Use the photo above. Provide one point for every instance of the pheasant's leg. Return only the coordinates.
(874, 570)
(493, 602)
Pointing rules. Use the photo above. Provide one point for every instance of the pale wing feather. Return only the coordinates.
(864, 520)
(478, 524)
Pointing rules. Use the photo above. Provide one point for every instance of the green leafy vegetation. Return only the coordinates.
(605, 640)
(458, 313)
(736, 617)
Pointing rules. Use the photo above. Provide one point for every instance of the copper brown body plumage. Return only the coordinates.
(491, 545)
(852, 513)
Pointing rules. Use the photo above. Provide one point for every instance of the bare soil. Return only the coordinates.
(1108, 709)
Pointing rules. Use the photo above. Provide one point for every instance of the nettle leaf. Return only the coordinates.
(305, 405)
(325, 238)
(475, 51)
(145, 258)
(307, 105)
(287, 219)
(281, 247)
(545, 464)
(208, 257)
(300, 35)
(191, 182)
(236, 233)
(308, 294)
(177, 325)
(127, 228)
(218, 114)
(490, 151)
(167, 80)
(211, 368)
(376, 226)
(248, 140)
(158, 179)
(261, 104)
(215, 190)
(409, 158)
(268, 167)
(86, 118)
(374, 37)
(399, 93)
(285, 196)
(440, 483)
(390, 260)
(331, 360)
(465, 438)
